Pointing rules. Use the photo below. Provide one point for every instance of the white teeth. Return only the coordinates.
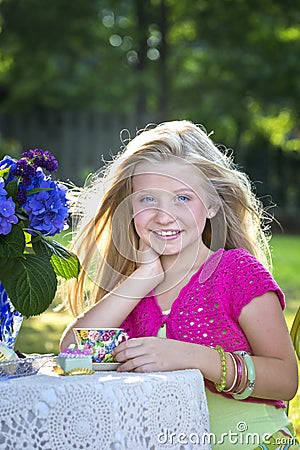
(166, 233)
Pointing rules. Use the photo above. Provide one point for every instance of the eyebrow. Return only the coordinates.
(184, 190)
(157, 189)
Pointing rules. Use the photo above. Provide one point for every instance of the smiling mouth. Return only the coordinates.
(168, 234)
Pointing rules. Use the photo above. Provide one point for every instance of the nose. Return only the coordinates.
(163, 217)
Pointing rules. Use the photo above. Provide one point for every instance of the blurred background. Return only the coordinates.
(74, 74)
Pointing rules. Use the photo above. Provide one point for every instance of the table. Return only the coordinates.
(104, 411)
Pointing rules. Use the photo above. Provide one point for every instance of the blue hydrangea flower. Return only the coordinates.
(47, 210)
(6, 162)
(7, 211)
(2, 190)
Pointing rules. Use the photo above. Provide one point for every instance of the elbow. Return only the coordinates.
(291, 386)
(66, 339)
(62, 344)
(292, 392)
(290, 395)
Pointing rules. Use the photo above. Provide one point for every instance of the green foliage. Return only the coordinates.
(29, 269)
(9, 146)
(29, 266)
(285, 252)
(55, 55)
(30, 283)
(231, 63)
(64, 263)
(13, 244)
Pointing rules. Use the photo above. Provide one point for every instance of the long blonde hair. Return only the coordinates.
(106, 241)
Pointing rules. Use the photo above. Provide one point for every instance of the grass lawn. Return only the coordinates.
(286, 251)
(41, 334)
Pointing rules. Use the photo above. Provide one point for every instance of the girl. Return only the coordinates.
(178, 256)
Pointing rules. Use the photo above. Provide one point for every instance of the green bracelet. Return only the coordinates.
(221, 386)
(250, 377)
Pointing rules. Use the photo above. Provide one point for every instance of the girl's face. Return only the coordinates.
(169, 206)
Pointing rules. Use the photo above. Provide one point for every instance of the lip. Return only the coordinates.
(167, 235)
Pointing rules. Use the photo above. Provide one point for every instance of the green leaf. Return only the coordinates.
(41, 247)
(37, 190)
(30, 283)
(66, 267)
(5, 171)
(13, 244)
(64, 262)
(12, 189)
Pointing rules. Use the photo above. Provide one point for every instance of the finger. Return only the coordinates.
(146, 368)
(137, 364)
(146, 253)
(129, 353)
(132, 342)
(127, 349)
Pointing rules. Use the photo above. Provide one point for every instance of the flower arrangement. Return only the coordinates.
(33, 208)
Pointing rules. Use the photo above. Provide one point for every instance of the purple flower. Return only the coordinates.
(93, 335)
(40, 158)
(7, 211)
(24, 171)
(47, 210)
(22, 194)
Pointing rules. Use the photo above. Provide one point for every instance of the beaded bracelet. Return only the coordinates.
(250, 377)
(221, 386)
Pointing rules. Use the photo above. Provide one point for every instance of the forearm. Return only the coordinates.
(276, 379)
(263, 324)
(113, 309)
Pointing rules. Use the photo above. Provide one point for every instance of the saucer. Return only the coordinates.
(99, 367)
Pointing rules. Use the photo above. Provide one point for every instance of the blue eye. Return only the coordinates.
(148, 199)
(182, 198)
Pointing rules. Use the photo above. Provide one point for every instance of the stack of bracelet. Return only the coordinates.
(244, 374)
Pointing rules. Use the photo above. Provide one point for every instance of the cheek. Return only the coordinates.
(198, 216)
(140, 221)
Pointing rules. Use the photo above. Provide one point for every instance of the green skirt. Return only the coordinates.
(252, 426)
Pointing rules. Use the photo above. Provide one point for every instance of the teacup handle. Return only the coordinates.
(123, 336)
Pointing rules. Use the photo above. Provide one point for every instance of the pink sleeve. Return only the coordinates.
(248, 279)
(127, 326)
(133, 324)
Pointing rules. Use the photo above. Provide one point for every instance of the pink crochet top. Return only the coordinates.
(207, 309)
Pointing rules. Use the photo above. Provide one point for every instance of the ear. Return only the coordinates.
(212, 211)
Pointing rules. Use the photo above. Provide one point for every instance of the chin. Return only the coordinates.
(169, 253)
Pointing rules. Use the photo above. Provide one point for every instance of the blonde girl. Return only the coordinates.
(176, 253)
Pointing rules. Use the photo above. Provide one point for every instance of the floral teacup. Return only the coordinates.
(102, 340)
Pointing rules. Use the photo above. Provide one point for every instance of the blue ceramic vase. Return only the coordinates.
(10, 320)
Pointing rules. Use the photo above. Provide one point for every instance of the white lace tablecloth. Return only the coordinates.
(104, 411)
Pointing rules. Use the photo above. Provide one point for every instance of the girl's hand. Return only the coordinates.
(150, 260)
(153, 354)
